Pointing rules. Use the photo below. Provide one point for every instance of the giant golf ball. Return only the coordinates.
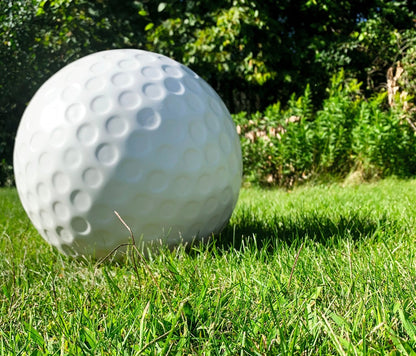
(128, 131)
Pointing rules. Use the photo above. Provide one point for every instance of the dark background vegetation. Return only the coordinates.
(306, 80)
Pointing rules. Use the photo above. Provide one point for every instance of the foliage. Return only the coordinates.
(384, 143)
(350, 133)
(277, 144)
(269, 48)
(6, 174)
(252, 52)
(39, 37)
(334, 123)
(407, 60)
(372, 45)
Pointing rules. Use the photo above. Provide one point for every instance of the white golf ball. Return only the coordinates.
(128, 131)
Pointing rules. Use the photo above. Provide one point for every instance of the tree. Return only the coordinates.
(37, 38)
(253, 52)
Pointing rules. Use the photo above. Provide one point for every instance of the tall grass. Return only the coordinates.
(349, 133)
(317, 270)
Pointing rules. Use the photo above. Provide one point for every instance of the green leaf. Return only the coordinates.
(113, 286)
(161, 7)
(407, 324)
(34, 335)
(90, 337)
(149, 26)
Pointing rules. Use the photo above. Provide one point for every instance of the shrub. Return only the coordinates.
(277, 144)
(286, 146)
(334, 125)
(383, 141)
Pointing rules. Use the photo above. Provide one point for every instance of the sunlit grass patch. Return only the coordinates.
(325, 269)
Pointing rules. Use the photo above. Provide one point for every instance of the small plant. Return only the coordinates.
(375, 137)
(334, 125)
(383, 143)
(277, 144)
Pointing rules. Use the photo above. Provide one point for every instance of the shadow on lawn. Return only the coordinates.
(295, 229)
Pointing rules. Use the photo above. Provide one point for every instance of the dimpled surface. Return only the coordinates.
(130, 131)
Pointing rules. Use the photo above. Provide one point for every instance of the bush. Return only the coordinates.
(383, 141)
(349, 133)
(334, 124)
(277, 144)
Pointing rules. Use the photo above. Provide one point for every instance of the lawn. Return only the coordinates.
(318, 270)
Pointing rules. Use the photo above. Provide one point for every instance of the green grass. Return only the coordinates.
(319, 270)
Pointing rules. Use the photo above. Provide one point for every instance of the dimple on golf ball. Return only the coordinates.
(128, 131)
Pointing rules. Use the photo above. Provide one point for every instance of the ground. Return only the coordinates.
(326, 269)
